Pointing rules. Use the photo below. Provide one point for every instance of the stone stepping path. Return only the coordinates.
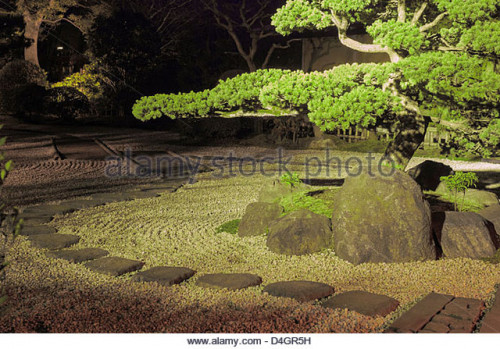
(166, 276)
(365, 303)
(114, 266)
(491, 320)
(53, 241)
(302, 291)
(78, 256)
(229, 281)
(438, 313)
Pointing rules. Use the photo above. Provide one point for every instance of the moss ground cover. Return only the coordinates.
(179, 229)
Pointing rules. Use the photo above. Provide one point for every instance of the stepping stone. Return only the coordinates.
(35, 220)
(365, 303)
(78, 256)
(81, 204)
(28, 230)
(114, 266)
(140, 194)
(229, 281)
(166, 276)
(47, 210)
(53, 241)
(420, 314)
(111, 197)
(491, 321)
(302, 291)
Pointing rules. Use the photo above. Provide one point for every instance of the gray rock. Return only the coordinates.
(302, 291)
(466, 234)
(382, 219)
(166, 276)
(300, 232)
(114, 266)
(365, 303)
(258, 216)
(53, 241)
(428, 174)
(229, 281)
(78, 256)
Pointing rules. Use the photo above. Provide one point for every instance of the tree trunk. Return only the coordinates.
(410, 135)
(31, 33)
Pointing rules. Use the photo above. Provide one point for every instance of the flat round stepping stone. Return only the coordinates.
(302, 291)
(366, 303)
(47, 210)
(229, 281)
(54, 241)
(79, 256)
(140, 194)
(111, 197)
(166, 276)
(35, 220)
(114, 266)
(28, 230)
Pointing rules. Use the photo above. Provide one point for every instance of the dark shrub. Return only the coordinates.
(17, 78)
(66, 103)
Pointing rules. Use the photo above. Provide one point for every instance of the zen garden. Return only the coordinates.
(250, 166)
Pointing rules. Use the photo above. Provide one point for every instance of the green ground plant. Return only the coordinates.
(290, 179)
(459, 183)
(304, 200)
(230, 227)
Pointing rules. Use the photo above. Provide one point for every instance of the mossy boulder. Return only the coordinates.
(428, 174)
(298, 233)
(258, 216)
(382, 219)
(466, 234)
(480, 198)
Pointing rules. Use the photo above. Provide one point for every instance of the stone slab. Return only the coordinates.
(229, 281)
(114, 266)
(53, 241)
(28, 230)
(365, 303)
(78, 256)
(491, 320)
(421, 313)
(35, 220)
(166, 276)
(302, 291)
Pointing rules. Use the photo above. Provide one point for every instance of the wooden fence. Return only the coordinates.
(433, 138)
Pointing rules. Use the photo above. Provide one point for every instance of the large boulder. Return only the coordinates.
(492, 214)
(466, 234)
(428, 174)
(381, 218)
(258, 216)
(298, 233)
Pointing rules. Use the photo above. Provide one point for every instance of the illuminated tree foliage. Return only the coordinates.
(443, 69)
